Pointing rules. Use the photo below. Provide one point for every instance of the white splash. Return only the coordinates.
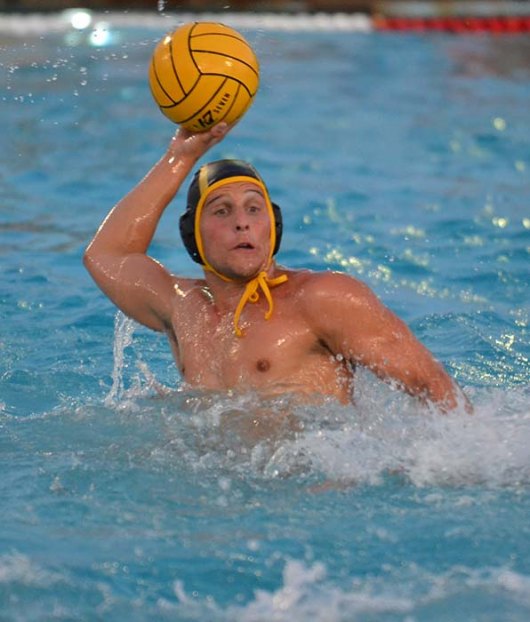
(123, 338)
(306, 593)
(18, 568)
(384, 435)
(141, 384)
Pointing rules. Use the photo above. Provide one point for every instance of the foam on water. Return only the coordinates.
(384, 433)
(306, 595)
(369, 442)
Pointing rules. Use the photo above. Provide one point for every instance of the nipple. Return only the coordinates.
(263, 365)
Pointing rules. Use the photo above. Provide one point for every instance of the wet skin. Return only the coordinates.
(323, 324)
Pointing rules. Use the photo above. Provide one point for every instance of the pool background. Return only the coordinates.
(401, 159)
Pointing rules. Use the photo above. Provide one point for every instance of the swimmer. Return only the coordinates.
(250, 324)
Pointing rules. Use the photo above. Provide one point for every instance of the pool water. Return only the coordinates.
(402, 160)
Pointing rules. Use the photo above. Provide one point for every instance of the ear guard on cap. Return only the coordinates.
(203, 179)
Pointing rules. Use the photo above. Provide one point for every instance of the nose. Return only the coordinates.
(241, 220)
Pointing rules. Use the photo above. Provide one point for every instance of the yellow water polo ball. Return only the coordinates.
(203, 73)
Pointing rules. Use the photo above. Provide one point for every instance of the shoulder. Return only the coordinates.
(337, 307)
(187, 284)
(323, 287)
(187, 290)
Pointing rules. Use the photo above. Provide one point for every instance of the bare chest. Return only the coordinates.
(212, 355)
(280, 354)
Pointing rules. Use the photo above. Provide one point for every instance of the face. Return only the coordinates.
(235, 230)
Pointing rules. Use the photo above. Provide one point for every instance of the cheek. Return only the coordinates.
(210, 232)
(265, 229)
(214, 239)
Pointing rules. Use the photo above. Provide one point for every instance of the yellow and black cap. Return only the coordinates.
(210, 177)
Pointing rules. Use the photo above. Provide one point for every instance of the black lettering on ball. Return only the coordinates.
(207, 119)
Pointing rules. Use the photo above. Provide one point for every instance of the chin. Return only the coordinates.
(242, 272)
(240, 268)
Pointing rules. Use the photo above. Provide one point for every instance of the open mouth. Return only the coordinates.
(244, 246)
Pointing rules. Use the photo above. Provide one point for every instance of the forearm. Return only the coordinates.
(430, 383)
(403, 361)
(448, 396)
(131, 224)
(440, 390)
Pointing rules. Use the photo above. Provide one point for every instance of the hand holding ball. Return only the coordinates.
(202, 74)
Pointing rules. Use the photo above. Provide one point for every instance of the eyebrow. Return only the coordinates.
(222, 195)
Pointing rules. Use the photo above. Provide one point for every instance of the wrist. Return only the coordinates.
(178, 164)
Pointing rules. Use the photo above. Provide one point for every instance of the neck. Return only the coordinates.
(252, 290)
(226, 294)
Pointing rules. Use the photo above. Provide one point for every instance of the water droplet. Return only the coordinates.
(500, 222)
(499, 124)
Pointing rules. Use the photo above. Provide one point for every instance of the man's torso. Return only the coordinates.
(275, 356)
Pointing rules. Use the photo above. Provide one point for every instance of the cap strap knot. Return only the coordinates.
(251, 294)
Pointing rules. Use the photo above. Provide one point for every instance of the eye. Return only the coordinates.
(221, 210)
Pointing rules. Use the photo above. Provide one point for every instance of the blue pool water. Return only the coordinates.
(400, 159)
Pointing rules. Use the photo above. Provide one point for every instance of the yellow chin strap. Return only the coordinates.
(251, 294)
(261, 281)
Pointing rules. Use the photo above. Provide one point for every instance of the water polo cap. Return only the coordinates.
(207, 179)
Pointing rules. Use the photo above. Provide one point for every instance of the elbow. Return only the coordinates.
(96, 264)
(89, 260)
(104, 270)
(86, 258)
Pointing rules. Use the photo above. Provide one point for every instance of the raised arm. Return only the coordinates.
(354, 323)
(116, 257)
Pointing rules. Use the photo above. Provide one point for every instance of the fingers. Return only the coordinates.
(186, 144)
(184, 137)
(220, 130)
(217, 131)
